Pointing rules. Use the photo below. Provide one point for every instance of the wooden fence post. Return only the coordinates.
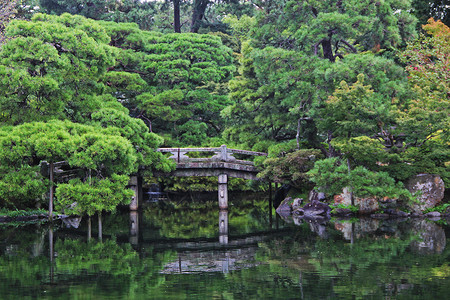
(50, 203)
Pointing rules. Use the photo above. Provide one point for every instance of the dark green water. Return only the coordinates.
(193, 251)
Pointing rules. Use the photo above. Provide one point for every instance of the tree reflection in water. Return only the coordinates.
(192, 254)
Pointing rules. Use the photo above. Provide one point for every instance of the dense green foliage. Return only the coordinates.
(331, 174)
(330, 79)
(352, 80)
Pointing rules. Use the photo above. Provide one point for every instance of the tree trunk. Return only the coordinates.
(297, 136)
(328, 50)
(176, 16)
(198, 13)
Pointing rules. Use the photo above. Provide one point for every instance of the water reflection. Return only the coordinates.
(223, 227)
(134, 228)
(185, 251)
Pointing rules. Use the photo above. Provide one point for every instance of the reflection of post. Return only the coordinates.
(223, 191)
(100, 234)
(223, 227)
(226, 264)
(51, 252)
(134, 227)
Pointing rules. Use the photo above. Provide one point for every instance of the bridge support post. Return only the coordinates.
(223, 191)
(135, 185)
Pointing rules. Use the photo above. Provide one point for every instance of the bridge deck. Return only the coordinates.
(222, 162)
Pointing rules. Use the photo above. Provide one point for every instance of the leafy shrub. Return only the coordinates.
(331, 175)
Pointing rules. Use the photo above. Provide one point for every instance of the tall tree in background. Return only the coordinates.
(425, 119)
(135, 11)
(331, 29)
(176, 16)
(7, 12)
(198, 14)
(297, 54)
(436, 9)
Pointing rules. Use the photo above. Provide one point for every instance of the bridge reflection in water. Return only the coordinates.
(206, 254)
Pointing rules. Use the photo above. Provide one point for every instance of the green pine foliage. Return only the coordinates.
(331, 175)
(92, 196)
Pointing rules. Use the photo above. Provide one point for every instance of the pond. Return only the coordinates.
(190, 250)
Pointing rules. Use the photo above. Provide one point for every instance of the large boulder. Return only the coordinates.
(288, 205)
(314, 195)
(313, 209)
(365, 205)
(285, 207)
(429, 189)
(345, 198)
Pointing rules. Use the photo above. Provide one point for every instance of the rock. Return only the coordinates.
(433, 214)
(315, 196)
(342, 212)
(344, 198)
(387, 202)
(313, 209)
(416, 214)
(396, 213)
(72, 222)
(429, 188)
(297, 203)
(401, 214)
(285, 206)
(367, 205)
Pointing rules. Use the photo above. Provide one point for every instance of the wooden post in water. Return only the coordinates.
(89, 228)
(135, 185)
(100, 229)
(223, 191)
(50, 203)
(270, 204)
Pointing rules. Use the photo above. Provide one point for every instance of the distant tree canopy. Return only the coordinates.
(109, 10)
(164, 16)
(436, 9)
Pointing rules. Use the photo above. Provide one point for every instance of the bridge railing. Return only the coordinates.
(220, 154)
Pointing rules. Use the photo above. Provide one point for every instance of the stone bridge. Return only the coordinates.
(221, 163)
